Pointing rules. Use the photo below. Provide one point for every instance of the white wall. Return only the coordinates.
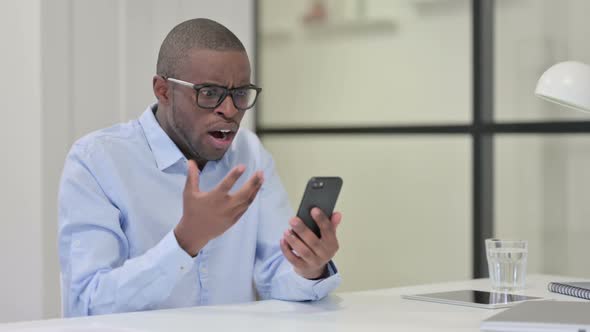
(72, 66)
(21, 240)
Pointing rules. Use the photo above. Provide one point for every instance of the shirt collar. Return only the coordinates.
(166, 153)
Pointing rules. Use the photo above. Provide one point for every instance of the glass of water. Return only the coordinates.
(507, 264)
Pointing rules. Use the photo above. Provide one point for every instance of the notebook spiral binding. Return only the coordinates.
(556, 287)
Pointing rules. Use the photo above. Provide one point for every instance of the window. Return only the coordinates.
(426, 109)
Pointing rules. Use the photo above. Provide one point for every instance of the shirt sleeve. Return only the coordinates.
(97, 275)
(274, 275)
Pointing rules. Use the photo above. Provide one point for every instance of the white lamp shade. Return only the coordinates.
(566, 83)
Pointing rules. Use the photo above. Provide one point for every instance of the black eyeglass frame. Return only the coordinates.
(226, 92)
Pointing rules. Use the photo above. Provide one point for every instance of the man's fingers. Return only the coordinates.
(326, 227)
(192, 178)
(336, 219)
(248, 192)
(301, 248)
(297, 262)
(228, 182)
(307, 236)
(241, 200)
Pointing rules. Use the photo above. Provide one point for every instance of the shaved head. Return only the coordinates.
(199, 33)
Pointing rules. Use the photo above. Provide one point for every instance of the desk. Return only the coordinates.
(377, 310)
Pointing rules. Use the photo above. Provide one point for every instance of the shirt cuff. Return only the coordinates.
(321, 287)
(332, 270)
(171, 258)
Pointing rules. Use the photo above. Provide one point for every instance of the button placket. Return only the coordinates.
(202, 267)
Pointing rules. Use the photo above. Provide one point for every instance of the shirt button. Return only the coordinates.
(181, 268)
(204, 270)
(77, 243)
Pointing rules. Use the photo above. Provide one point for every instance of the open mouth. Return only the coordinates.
(221, 134)
(221, 139)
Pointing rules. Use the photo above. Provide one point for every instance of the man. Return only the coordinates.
(179, 208)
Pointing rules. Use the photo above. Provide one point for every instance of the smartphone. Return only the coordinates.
(321, 192)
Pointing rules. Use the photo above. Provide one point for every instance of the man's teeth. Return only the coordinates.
(221, 134)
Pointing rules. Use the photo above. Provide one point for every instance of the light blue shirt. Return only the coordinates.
(120, 198)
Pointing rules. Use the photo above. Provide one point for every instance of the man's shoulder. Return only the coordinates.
(246, 140)
(247, 147)
(246, 137)
(113, 138)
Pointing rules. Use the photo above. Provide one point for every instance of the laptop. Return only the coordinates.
(554, 316)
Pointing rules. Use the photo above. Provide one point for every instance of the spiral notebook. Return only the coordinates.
(577, 289)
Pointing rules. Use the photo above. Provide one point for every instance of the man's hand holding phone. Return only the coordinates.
(207, 215)
(313, 253)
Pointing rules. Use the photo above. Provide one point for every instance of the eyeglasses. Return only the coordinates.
(210, 96)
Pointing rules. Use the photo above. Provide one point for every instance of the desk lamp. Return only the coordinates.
(566, 83)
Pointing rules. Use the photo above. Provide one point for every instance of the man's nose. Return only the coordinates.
(227, 109)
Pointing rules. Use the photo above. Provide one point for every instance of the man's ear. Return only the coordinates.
(160, 87)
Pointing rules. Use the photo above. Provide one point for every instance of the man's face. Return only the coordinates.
(207, 133)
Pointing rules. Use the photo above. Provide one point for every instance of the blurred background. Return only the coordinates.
(424, 107)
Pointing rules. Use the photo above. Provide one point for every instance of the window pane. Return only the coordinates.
(373, 62)
(531, 36)
(542, 190)
(405, 200)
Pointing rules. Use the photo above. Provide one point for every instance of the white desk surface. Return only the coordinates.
(376, 310)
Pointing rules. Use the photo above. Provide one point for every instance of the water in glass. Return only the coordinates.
(507, 268)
